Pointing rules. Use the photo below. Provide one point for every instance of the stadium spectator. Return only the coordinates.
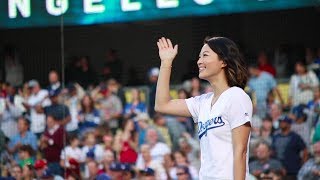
(261, 83)
(287, 147)
(110, 107)
(15, 98)
(115, 171)
(51, 144)
(196, 87)
(181, 160)
(58, 110)
(91, 151)
(72, 151)
(267, 130)
(302, 84)
(264, 64)
(89, 116)
(314, 106)
(142, 121)
(12, 67)
(94, 174)
(116, 89)
(16, 172)
(311, 169)
(28, 172)
(73, 95)
(264, 166)
(10, 113)
(153, 78)
(135, 106)
(275, 114)
(84, 73)
(36, 102)
(157, 149)
(54, 82)
(183, 173)
(147, 161)
(160, 125)
(22, 138)
(191, 147)
(108, 159)
(126, 143)
(26, 155)
(281, 61)
(302, 123)
(148, 174)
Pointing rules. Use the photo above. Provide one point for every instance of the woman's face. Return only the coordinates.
(195, 83)
(180, 160)
(86, 101)
(300, 69)
(135, 94)
(182, 95)
(26, 172)
(209, 63)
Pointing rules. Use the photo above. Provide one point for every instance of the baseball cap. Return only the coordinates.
(154, 71)
(32, 83)
(142, 117)
(47, 174)
(147, 172)
(115, 166)
(53, 93)
(285, 119)
(39, 164)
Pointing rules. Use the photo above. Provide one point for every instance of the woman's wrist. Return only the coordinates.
(165, 65)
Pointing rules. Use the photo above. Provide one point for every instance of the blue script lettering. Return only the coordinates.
(204, 127)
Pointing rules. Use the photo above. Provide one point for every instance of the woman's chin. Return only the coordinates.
(202, 76)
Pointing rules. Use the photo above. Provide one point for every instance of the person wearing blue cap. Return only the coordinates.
(287, 146)
(59, 111)
(147, 174)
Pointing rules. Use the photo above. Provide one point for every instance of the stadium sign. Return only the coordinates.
(31, 13)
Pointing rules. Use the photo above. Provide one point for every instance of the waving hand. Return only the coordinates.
(166, 50)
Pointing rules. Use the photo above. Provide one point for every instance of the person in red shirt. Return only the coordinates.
(51, 144)
(264, 64)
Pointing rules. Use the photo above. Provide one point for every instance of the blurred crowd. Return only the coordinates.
(98, 129)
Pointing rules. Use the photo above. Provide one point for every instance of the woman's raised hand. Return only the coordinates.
(166, 50)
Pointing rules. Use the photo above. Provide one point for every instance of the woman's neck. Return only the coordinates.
(219, 88)
(219, 84)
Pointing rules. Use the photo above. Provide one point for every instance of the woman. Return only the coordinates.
(196, 88)
(181, 159)
(135, 106)
(126, 143)
(223, 116)
(302, 84)
(28, 172)
(89, 117)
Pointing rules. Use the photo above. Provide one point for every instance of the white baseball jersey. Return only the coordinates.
(232, 109)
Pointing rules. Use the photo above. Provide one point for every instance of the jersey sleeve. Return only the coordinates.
(240, 109)
(193, 104)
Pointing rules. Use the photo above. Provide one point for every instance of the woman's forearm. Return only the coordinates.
(239, 166)
(163, 88)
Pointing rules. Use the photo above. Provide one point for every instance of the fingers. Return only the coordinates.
(176, 48)
(159, 45)
(165, 43)
(169, 43)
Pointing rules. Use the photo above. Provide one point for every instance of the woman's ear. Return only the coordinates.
(224, 64)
